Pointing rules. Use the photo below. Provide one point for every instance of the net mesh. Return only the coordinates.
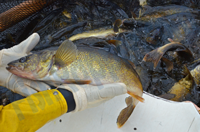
(14, 16)
(19, 11)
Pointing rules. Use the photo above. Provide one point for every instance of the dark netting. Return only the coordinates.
(15, 15)
(14, 12)
(56, 21)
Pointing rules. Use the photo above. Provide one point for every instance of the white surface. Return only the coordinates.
(154, 115)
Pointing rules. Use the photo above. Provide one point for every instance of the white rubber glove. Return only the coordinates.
(16, 84)
(87, 96)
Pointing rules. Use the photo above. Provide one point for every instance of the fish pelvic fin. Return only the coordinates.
(66, 53)
(126, 112)
(117, 24)
(153, 56)
(136, 96)
(168, 64)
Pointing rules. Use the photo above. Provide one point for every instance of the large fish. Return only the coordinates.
(82, 65)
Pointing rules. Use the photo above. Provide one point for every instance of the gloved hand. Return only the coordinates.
(87, 96)
(16, 84)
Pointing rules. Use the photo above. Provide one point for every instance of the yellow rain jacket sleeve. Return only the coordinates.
(31, 113)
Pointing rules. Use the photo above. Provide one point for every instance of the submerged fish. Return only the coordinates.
(81, 65)
(100, 33)
(154, 35)
(183, 87)
(152, 13)
(155, 55)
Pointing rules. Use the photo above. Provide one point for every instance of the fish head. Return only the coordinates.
(34, 66)
(155, 35)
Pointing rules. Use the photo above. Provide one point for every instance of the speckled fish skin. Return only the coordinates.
(100, 67)
(85, 65)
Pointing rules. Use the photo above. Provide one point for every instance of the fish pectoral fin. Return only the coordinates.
(117, 24)
(66, 53)
(136, 96)
(125, 113)
(168, 64)
(116, 43)
(73, 81)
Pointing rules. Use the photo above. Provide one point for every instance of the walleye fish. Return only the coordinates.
(183, 87)
(99, 33)
(81, 65)
(155, 55)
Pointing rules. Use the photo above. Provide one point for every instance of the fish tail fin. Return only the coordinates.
(136, 96)
(153, 56)
(126, 112)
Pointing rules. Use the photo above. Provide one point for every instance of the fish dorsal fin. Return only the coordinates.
(66, 53)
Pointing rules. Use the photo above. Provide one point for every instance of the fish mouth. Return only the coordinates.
(9, 68)
(20, 73)
(13, 69)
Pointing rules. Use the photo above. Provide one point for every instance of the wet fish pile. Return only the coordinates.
(161, 39)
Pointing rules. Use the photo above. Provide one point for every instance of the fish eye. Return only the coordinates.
(22, 60)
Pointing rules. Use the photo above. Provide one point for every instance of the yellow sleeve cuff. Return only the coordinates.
(33, 112)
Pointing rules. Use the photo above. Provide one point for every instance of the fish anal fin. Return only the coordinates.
(73, 81)
(168, 64)
(136, 96)
(66, 53)
(124, 115)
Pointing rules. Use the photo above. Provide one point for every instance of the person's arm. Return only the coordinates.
(32, 112)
